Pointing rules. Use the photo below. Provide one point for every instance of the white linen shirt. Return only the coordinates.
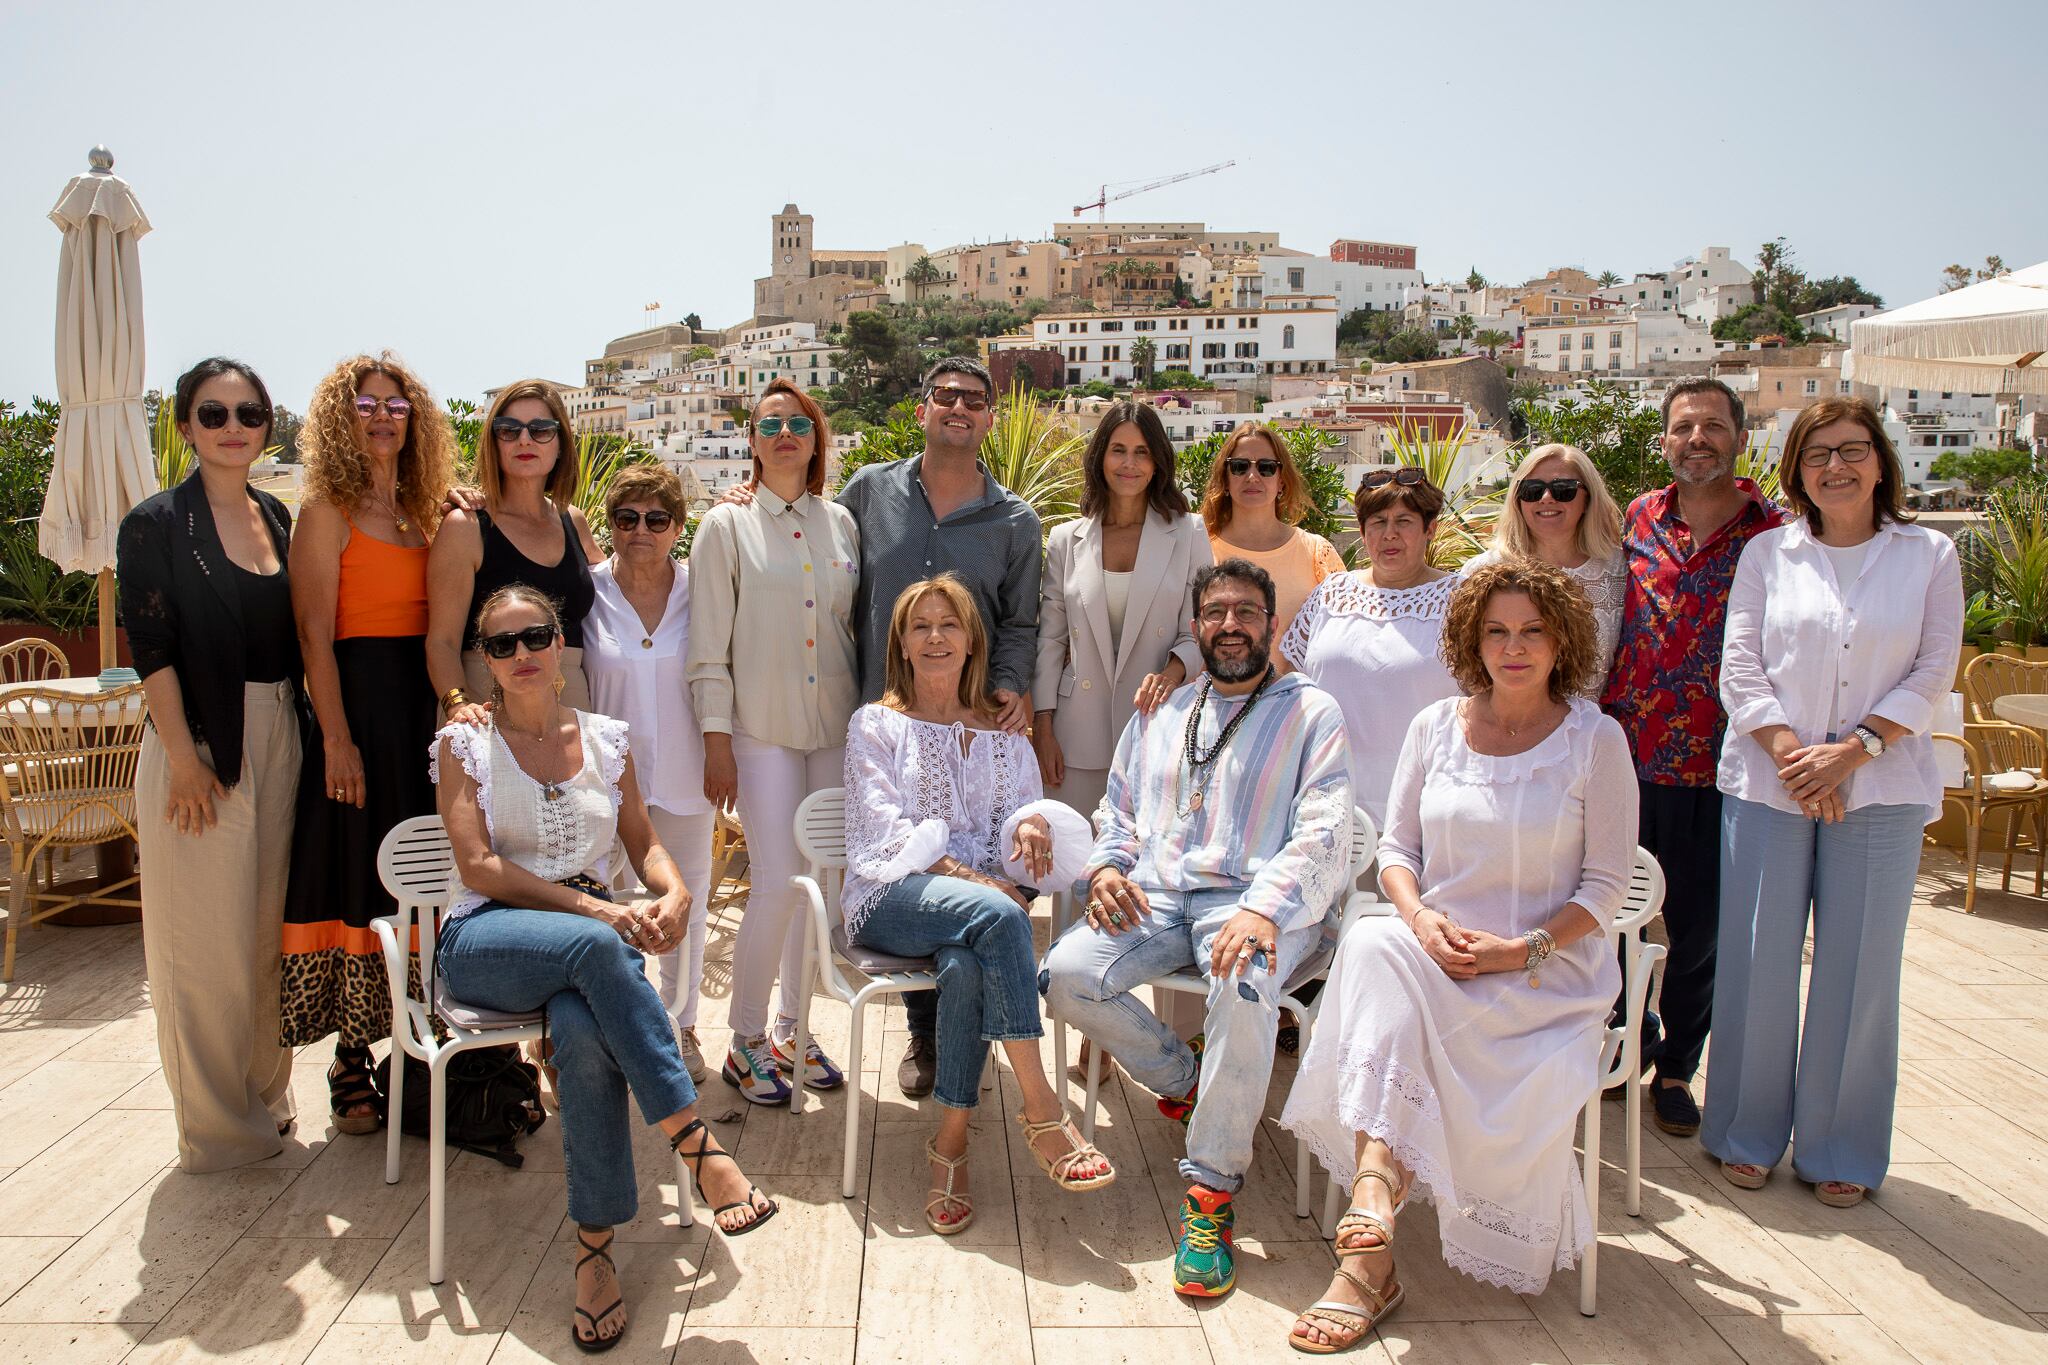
(1803, 652)
(639, 678)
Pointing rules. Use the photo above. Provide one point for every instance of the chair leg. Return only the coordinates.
(17, 906)
(852, 1100)
(394, 1106)
(802, 1042)
(1329, 1228)
(1089, 1095)
(1973, 837)
(988, 1066)
(1303, 1173)
(1059, 1059)
(2012, 826)
(1589, 1267)
(437, 1172)
(2039, 814)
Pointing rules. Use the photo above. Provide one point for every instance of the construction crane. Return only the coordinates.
(1104, 198)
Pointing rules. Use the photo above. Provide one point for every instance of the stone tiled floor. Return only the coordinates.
(108, 1253)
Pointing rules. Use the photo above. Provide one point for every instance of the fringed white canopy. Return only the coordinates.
(1987, 338)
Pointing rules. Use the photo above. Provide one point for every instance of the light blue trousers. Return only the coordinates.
(1833, 1081)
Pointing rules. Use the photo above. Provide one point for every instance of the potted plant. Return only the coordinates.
(2019, 568)
(38, 600)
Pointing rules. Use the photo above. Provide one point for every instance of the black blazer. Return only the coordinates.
(182, 610)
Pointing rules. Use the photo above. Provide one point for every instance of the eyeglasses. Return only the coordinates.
(1240, 466)
(1245, 613)
(1563, 490)
(629, 519)
(214, 416)
(535, 638)
(974, 400)
(366, 407)
(1407, 476)
(775, 426)
(1817, 457)
(541, 429)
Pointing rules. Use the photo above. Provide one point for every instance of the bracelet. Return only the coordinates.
(453, 698)
(1541, 946)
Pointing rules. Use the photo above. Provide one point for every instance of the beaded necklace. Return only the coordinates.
(1196, 767)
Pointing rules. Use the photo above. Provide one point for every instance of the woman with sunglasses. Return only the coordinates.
(774, 682)
(635, 642)
(378, 458)
(206, 598)
(1559, 511)
(1373, 637)
(526, 532)
(1254, 498)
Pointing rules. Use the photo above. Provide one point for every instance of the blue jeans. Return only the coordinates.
(1829, 1085)
(1088, 980)
(982, 942)
(610, 1031)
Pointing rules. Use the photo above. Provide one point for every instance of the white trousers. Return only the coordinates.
(681, 969)
(773, 783)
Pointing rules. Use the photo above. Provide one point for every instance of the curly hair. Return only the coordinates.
(1566, 611)
(338, 469)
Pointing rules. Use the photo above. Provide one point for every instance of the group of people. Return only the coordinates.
(1172, 712)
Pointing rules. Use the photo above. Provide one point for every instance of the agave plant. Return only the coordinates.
(599, 458)
(1982, 620)
(34, 590)
(1756, 465)
(2019, 560)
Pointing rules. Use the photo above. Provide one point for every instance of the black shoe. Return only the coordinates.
(918, 1071)
(1672, 1108)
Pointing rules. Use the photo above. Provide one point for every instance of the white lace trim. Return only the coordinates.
(608, 736)
(1463, 764)
(471, 748)
(1349, 594)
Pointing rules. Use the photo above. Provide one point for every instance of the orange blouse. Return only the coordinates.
(383, 588)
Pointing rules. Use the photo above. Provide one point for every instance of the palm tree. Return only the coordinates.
(1773, 259)
(1607, 279)
(1148, 271)
(1143, 353)
(1462, 327)
(921, 275)
(1491, 340)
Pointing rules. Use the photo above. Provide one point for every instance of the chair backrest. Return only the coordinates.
(70, 762)
(417, 866)
(1645, 900)
(821, 830)
(1365, 842)
(32, 661)
(1991, 676)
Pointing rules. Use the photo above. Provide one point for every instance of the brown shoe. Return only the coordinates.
(918, 1071)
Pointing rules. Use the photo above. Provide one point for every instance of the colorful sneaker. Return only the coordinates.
(1182, 1109)
(1205, 1265)
(819, 1073)
(750, 1067)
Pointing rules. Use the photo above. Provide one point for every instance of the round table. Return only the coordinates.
(85, 689)
(115, 859)
(2022, 708)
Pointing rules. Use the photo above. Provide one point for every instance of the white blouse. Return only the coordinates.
(639, 678)
(1805, 651)
(1606, 584)
(1378, 651)
(913, 796)
(567, 836)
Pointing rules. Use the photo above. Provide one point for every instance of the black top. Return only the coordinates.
(270, 638)
(568, 582)
(182, 608)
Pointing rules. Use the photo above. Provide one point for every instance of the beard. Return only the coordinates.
(1724, 466)
(1257, 656)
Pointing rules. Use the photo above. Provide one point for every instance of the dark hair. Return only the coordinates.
(1702, 384)
(1559, 600)
(959, 364)
(1241, 570)
(1888, 502)
(214, 367)
(1163, 493)
(1424, 499)
(821, 433)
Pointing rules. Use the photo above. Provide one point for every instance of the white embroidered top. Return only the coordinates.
(571, 835)
(917, 792)
(1606, 584)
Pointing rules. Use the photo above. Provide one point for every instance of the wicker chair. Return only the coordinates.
(68, 782)
(32, 661)
(1999, 748)
(1991, 676)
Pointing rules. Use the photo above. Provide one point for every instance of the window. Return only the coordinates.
(1613, 344)
(1212, 350)
(1107, 327)
(1294, 278)
(1812, 388)
(1051, 329)
(1111, 353)
(1286, 344)
(1585, 344)
(1587, 363)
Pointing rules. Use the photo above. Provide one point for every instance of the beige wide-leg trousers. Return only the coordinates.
(212, 930)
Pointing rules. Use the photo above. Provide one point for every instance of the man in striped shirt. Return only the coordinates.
(1224, 847)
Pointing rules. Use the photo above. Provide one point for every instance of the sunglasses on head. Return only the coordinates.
(973, 399)
(1240, 466)
(535, 638)
(629, 519)
(214, 416)
(366, 407)
(541, 429)
(1563, 490)
(775, 426)
(1407, 476)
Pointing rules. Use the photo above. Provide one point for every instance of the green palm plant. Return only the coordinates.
(1466, 525)
(600, 455)
(1756, 465)
(2019, 561)
(174, 453)
(1036, 458)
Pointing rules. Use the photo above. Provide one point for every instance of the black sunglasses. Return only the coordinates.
(973, 399)
(1407, 476)
(213, 416)
(542, 429)
(1563, 490)
(535, 638)
(1240, 466)
(629, 518)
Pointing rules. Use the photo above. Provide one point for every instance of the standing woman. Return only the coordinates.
(207, 603)
(1559, 511)
(772, 675)
(635, 643)
(1843, 629)
(1114, 605)
(1254, 498)
(527, 532)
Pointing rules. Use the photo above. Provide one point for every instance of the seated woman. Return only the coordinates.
(532, 803)
(935, 796)
(1458, 1043)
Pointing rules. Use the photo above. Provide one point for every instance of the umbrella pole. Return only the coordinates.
(107, 647)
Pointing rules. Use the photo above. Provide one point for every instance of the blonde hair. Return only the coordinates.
(1599, 528)
(338, 468)
(900, 689)
(562, 479)
(1291, 505)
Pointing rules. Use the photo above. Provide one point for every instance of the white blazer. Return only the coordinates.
(1089, 681)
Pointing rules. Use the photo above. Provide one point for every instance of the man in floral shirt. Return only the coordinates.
(1682, 544)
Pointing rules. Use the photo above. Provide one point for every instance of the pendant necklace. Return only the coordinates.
(551, 791)
(1197, 767)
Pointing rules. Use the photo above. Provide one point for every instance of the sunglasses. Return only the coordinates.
(775, 426)
(366, 407)
(1407, 476)
(541, 429)
(1563, 490)
(1241, 466)
(535, 638)
(972, 399)
(214, 416)
(629, 519)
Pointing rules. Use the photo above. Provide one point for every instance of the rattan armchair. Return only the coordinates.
(1991, 676)
(32, 661)
(1991, 748)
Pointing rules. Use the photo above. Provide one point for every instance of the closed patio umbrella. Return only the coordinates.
(1990, 337)
(103, 465)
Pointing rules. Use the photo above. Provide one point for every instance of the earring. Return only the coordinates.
(497, 697)
(560, 683)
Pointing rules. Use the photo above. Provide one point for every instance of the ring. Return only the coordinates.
(1116, 917)
(339, 793)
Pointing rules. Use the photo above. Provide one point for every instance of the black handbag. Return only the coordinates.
(493, 1101)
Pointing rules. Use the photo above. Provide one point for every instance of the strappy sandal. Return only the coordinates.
(1078, 1154)
(940, 1199)
(596, 1341)
(1744, 1176)
(1836, 1199)
(1343, 1321)
(1357, 1220)
(350, 1085)
(703, 1153)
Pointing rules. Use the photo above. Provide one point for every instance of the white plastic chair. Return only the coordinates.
(416, 866)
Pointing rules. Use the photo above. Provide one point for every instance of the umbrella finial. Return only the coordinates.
(100, 159)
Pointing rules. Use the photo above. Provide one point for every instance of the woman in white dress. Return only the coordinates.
(1558, 510)
(1458, 1043)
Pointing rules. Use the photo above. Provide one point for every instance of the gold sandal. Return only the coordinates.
(1061, 1168)
(942, 1198)
(1357, 1220)
(1335, 1319)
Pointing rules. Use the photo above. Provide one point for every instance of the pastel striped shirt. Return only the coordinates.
(1275, 819)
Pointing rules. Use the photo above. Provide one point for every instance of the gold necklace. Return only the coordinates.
(552, 791)
(389, 506)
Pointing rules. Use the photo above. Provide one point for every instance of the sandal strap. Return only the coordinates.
(1373, 1296)
(1364, 1220)
(594, 1252)
(1393, 1190)
(1344, 1317)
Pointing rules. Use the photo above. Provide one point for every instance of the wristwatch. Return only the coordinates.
(1871, 740)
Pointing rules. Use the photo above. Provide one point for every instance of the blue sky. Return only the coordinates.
(496, 190)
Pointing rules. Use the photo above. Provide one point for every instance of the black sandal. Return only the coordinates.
(704, 1153)
(350, 1084)
(595, 1342)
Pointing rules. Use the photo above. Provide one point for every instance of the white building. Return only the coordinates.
(1835, 321)
(1230, 347)
(1354, 286)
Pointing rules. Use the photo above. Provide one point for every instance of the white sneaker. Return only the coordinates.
(693, 1054)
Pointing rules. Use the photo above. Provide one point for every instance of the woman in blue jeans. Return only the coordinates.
(947, 828)
(533, 802)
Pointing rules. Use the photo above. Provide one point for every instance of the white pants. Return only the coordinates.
(773, 783)
(688, 840)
